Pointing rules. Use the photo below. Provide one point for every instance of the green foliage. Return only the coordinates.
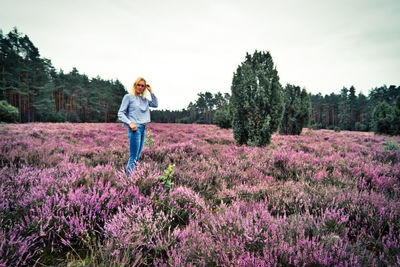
(396, 120)
(391, 145)
(353, 112)
(58, 116)
(297, 110)
(222, 117)
(256, 103)
(344, 116)
(149, 141)
(169, 116)
(348, 110)
(40, 93)
(360, 126)
(72, 116)
(383, 116)
(352, 108)
(166, 179)
(336, 129)
(201, 111)
(8, 113)
(316, 126)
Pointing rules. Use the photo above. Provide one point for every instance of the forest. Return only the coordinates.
(349, 111)
(31, 84)
(40, 93)
(345, 111)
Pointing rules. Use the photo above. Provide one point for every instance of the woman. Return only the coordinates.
(134, 112)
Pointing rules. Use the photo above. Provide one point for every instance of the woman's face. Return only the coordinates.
(140, 88)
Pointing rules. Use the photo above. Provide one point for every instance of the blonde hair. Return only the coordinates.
(133, 90)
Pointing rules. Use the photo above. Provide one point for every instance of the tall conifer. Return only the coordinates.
(256, 101)
(297, 110)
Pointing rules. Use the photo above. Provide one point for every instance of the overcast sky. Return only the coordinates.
(184, 47)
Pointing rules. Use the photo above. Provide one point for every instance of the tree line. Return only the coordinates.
(32, 90)
(344, 111)
(200, 111)
(348, 111)
(260, 105)
(31, 84)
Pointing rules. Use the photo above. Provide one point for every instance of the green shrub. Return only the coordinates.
(166, 179)
(297, 110)
(256, 102)
(59, 116)
(149, 141)
(222, 118)
(383, 116)
(316, 126)
(8, 113)
(396, 120)
(391, 145)
(360, 127)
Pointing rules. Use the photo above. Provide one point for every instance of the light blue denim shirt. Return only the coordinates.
(136, 109)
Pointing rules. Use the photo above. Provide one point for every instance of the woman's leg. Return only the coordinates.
(134, 146)
(142, 139)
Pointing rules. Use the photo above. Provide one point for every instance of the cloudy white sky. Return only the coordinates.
(183, 47)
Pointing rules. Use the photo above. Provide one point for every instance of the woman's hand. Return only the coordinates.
(133, 126)
(149, 88)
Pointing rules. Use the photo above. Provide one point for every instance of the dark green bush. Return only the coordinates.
(297, 110)
(8, 113)
(360, 127)
(222, 118)
(384, 116)
(256, 103)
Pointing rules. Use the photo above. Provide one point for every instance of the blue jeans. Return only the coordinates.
(136, 142)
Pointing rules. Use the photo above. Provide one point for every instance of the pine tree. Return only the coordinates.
(344, 110)
(30, 83)
(396, 120)
(352, 101)
(383, 116)
(297, 110)
(222, 117)
(256, 103)
(316, 111)
(360, 110)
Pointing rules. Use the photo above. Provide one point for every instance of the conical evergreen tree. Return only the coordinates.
(256, 101)
(344, 109)
(297, 110)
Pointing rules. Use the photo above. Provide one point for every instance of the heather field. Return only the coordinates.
(321, 198)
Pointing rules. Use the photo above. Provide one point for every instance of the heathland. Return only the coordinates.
(196, 198)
